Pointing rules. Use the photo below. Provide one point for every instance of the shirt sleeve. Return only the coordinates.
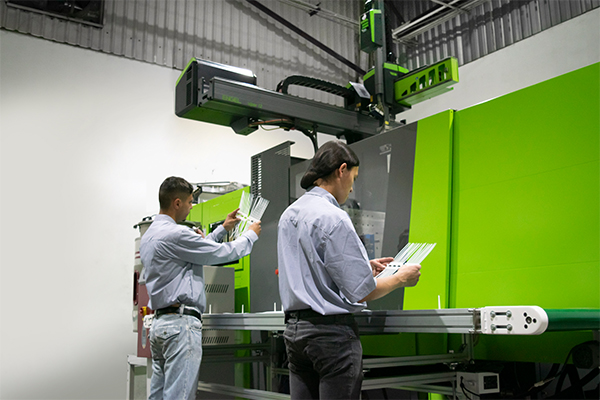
(195, 249)
(347, 263)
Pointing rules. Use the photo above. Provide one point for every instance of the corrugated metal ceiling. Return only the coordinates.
(170, 32)
(480, 30)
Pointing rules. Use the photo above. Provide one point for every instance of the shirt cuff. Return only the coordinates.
(250, 234)
(219, 232)
(366, 288)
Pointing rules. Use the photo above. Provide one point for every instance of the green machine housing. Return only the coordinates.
(194, 82)
(495, 185)
(371, 30)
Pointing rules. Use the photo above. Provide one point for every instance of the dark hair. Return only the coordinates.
(173, 188)
(327, 159)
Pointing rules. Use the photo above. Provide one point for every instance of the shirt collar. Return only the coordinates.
(320, 192)
(164, 217)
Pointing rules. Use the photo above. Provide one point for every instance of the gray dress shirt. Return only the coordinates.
(173, 256)
(323, 265)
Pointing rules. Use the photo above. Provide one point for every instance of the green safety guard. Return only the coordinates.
(426, 82)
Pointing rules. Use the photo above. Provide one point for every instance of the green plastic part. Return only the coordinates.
(395, 68)
(426, 83)
(369, 74)
(371, 31)
(374, 24)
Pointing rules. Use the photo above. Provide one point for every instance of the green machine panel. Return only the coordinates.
(526, 196)
(525, 218)
(509, 191)
(430, 210)
(213, 212)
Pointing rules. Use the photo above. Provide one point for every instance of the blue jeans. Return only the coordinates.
(176, 344)
(325, 360)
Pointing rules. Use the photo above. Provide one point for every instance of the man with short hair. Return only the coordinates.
(173, 256)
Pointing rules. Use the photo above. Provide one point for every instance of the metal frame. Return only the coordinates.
(452, 320)
(132, 363)
(461, 320)
(242, 100)
(252, 394)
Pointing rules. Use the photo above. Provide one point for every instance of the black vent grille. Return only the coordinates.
(284, 152)
(256, 188)
(216, 288)
(206, 340)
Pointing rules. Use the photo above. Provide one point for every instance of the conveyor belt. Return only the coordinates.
(573, 319)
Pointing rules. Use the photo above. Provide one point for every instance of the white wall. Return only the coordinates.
(86, 139)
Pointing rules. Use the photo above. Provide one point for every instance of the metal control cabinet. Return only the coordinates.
(270, 179)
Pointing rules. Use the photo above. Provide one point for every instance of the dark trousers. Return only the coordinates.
(325, 357)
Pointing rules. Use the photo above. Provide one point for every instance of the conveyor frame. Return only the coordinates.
(465, 321)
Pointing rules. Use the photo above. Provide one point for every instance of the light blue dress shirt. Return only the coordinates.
(323, 265)
(173, 256)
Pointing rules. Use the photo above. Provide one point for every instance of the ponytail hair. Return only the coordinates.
(327, 159)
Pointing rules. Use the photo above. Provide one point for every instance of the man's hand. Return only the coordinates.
(199, 232)
(256, 228)
(379, 264)
(408, 275)
(231, 220)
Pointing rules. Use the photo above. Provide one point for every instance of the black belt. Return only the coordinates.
(177, 310)
(313, 316)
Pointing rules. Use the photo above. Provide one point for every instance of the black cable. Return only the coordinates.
(311, 135)
(581, 383)
(553, 374)
(463, 387)
(563, 373)
(541, 385)
(306, 36)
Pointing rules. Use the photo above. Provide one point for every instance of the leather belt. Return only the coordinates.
(177, 310)
(313, 316)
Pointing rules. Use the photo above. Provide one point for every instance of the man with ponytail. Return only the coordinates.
(324, 277)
